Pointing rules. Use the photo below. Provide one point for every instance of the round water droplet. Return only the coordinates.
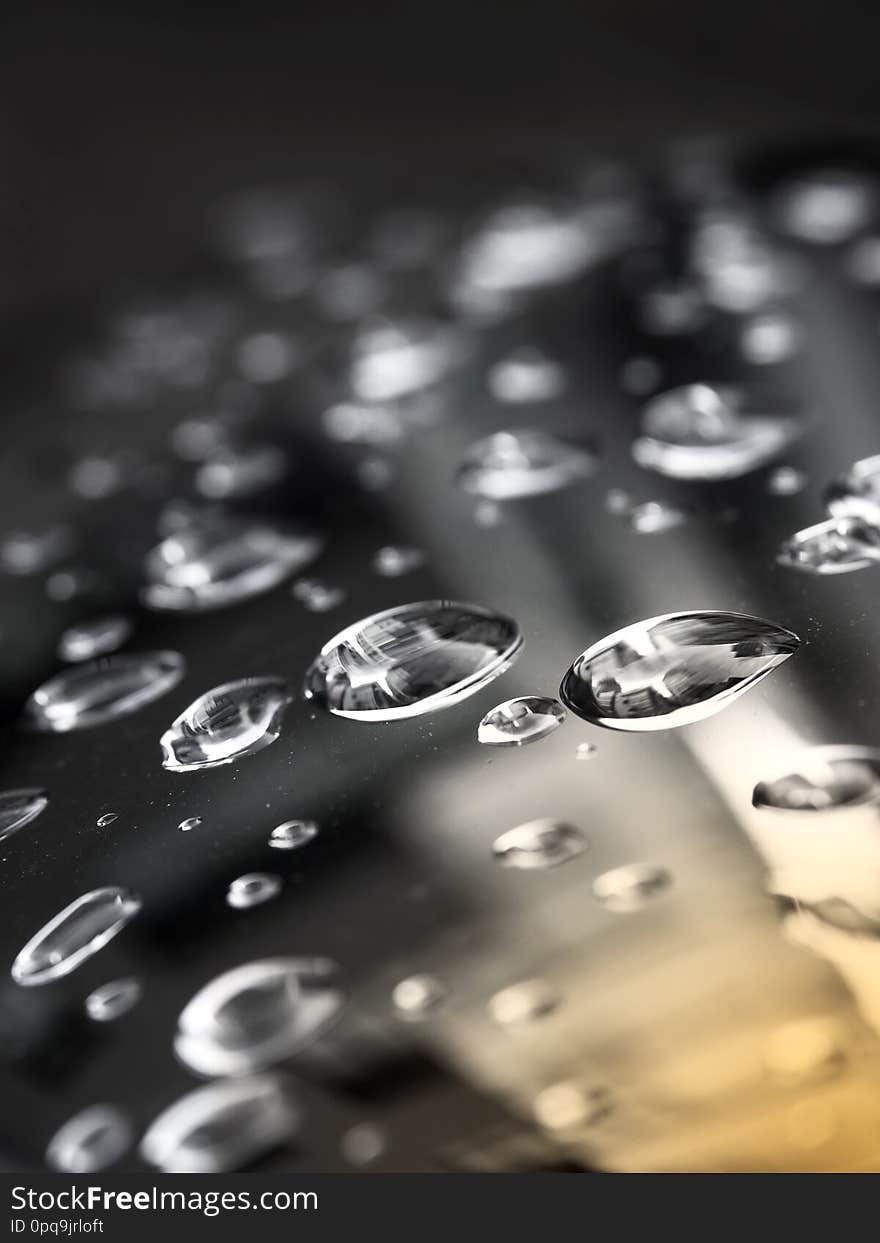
(95, 478)
(835, 546)
(632, 887)
(511, 465)
(618, 502)
(102, 690)
(396, 559)
(417, 996)
(190, 823)
(522, 1003)
(75, 934)
(412, 659)
(825, 779)
(112, 1000)
(673, 670)
(520, 720)
(656, 517)
(527, 375)
(395, 358)
(786, 481)
(539, 844)
(215, 562)
(316, 596)
(700, 431)
(195, 439)
(69, 584)
(266, 357)
(363, 1144)
(292, 834)
(825, 206)
(18, 808)
(95, 638)
(222, 1127)
(252, 890)
(375, 474)
(769, 339)
(257, 1015)
(90, 1141)
(225, 724)
(109, 817)
(569, 1105)
(857, 493)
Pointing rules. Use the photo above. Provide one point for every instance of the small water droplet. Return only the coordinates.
(417, 996)
(195, 439)
(510, 465)
(526, 375)
(292, 834)
(786, 481)
(225, 724)
(673, 670)
(252, 889)
(568, 1105)
(95, 638)
(585, 751)
(108, 818)
(394, 560)
(266, 357)
(222, 1127)
(18, 808)
(95, 478)
(671, 309)
(75, 934)
(112, 1000)
(518, 721)
(825, 206)
(738, 270)
(102, 690)
(31, 552)
(190, 823)
(522, 1003)
(824, 779)
(656, 517)
(90, 1141)
(363, 1144)
(488, 514)
(539, 844)
(640, 375)
(770, 338)
(316, 596)
(257, 1015)
(618, 502)
(392, 359)
(364, 425)
(835, 546)
(70, 584)
(375, 474)
(412, 659)
(630, 888)
(857, 493)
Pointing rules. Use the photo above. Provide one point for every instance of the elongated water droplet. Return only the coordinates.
(396, 559)
(109, 817)
(90, 1141)
(190, 823)
(94, 638)
(412, 659)
(222, 1127)
(395, 358)
(704, 432)
(75, 934)
(112, 1000)
(824, 779)
(511, 465)
(525, 245)
(257, 1015)
(656, 517)
(316, 596)
(673, 670)
(539, 844)
(292, 834)
(102, 690)
(835, 546)
(522, 1003)
(857, 493)
(520, 720)
(216, 562)
(252, 890)
(632, 887)
(415, 997)
(226, 724)
(18, 808)
(527, 375)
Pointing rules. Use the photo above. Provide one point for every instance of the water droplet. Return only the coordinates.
(363, 425)
(804, 1050)
(632, 887)
(225, 724)
(69, 584)
(673, 670)
(316, 596)
(217, 561)
(525, 245)
(95, 478)
(520, 720)
(350, 291)
(526, 375)
(835, 546)
(640, 375)
(396, 559)
(699, 431)
(195, 439)
(31, 552)
(94, 638)
(568, 1105)
(232, 473)
(857, 493)
(825, 206)
(292, 834)
(509, 465)
(393, 359)
(257, 1015)
(539, 844)
(109, 817)
(112, 1000)
(102, 690)
(738, 270)
(190, 823)
(412, 659)
(222, 1127)
(770, 338)
(618, 502)
(252, 889)
(585, 751)
(266, 357)
(487, 514)
(90, 1141)
(825, 779)
(786, 481)
(362, 1144)
(18, 808)
(417, 996)
(522, 1003)
(671, 309)
(75, 934)
(656, 517)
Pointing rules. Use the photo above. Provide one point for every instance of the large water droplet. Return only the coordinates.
(673, 670)
(95, 638)
(510, 465)
(520, 720)
(632, 887)
(75, 934)
(222, 1127)
(700, 431)
(252, 889)
(216, 562)
(112, 1000)
(18, 808)
(522, 1003)
(539, 844)
(527, 375)
(835, 546)
(102, 690)
(857, 493)
(292, 834)
(90, 1141)
(415, 997)
(225, 724)
(825, 779)
(412, 659)
(257, 1015)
